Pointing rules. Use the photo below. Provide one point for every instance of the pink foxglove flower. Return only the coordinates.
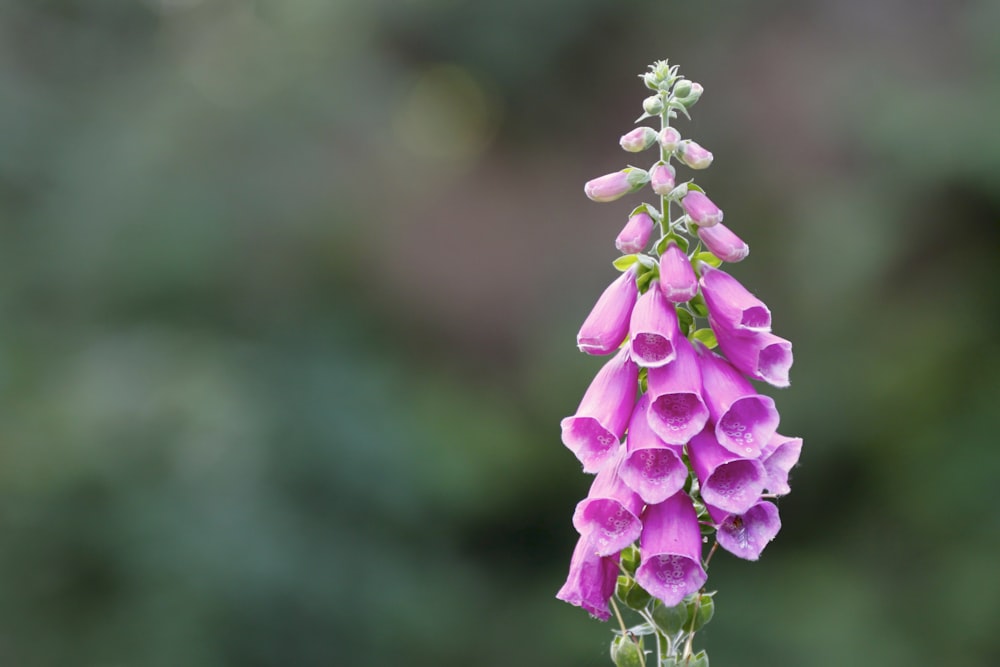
(615, 185)
(723, 243)
(670, 139)
(653, 329)
(762, 356)
(744, 420)
(694, 156)
(746, 534)
(662, 179)
(731, 305)
(676, 410)
(635, 235)
(594, 432)
(591, 580)
(728, 481)
(702, 210)
(779, 456)
(607, 324)
(651, 467)
(677, 280)
(610, 512)
(671, 550)
(638, 139)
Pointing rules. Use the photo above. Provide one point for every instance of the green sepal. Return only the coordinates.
(707, 529)
(677, 105)
(698, 619)
(622, 586)
(629, 558)
(708, 258)
(648, 209)
(644, 116)
(626, 652)
(642, 282)
(698, 305)
(653, 105)
(671, 620)
(694, 186)
(636, 597)
(706, 337)
(624, 262)
(699, 659)
(682, 88)
(643, 381)
(686, 320)
(646, 261)
(661, 245)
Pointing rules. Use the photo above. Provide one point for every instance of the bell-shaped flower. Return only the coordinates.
(727, 480)
(651, 467)
(744, 420)
(670, 139)
(610, 512)
(638, 139)
(594, 432)
(746, 534)
(694, 156)
(731, 305)
(670, 550)
(591, 581)
(762, 356)
(723, 243)
(676, 410)
(653, 329)
(677, 280)
(661, 178)
(607, 324)
(702, 210)
(779, 456)
(616, 184)
(635, 235)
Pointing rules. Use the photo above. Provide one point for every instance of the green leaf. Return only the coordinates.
(697, 304)
(622, 263)
(626, 652)
(671, 620)
(708, 258)
(699, 659)
(706, 337)
(685, 319)
(704, 613)
(694, 186)
(646, 261)
(636, 597)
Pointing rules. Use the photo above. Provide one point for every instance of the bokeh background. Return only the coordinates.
(288, 298)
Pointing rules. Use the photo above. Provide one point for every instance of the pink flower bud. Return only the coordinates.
(677, 280)
(669, 139)
(723, 243)
(634, 236)
(607, 324)
(702, 210)
(638, 139)
(616, 184)
(694, 156)
(662, 178)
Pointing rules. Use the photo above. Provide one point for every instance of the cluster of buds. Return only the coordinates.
(683, 448)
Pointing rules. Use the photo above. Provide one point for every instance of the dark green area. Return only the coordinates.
(288, 296)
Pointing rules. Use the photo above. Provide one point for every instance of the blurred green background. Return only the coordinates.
(289, 291)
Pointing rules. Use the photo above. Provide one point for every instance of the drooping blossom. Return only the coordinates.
(731, 305)
(610, 512)
(593, 433)
(653, 329)
(694, 156)
(762, 356)
(669, 139)
(607, 324)
(671, 550)
(638, 139)
(676, 410)
(746, 534)
(728, 481)
(677, 280)
(702, 210)
(651, 467)
(591, 580)
(779, 456)
(744, 420)
(634, 236)
(723, 243)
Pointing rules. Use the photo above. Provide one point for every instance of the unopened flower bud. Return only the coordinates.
(702, 210)
(693, 96)
(626, 651)
(649, 78)
(635, 235)
(638, 139)
(723, 243)
(682, 88)
(653, 105)
(677, 280)
(662, 178)
(670, 139)
(616, 184)
(694, 156)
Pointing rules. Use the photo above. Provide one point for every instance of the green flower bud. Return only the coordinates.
(704, 613)
(653, 105)
(649, 78)
(626, 651)
(671, 620)
(636, 597)
(682, 88)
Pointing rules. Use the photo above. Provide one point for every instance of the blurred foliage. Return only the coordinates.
(289, 291)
